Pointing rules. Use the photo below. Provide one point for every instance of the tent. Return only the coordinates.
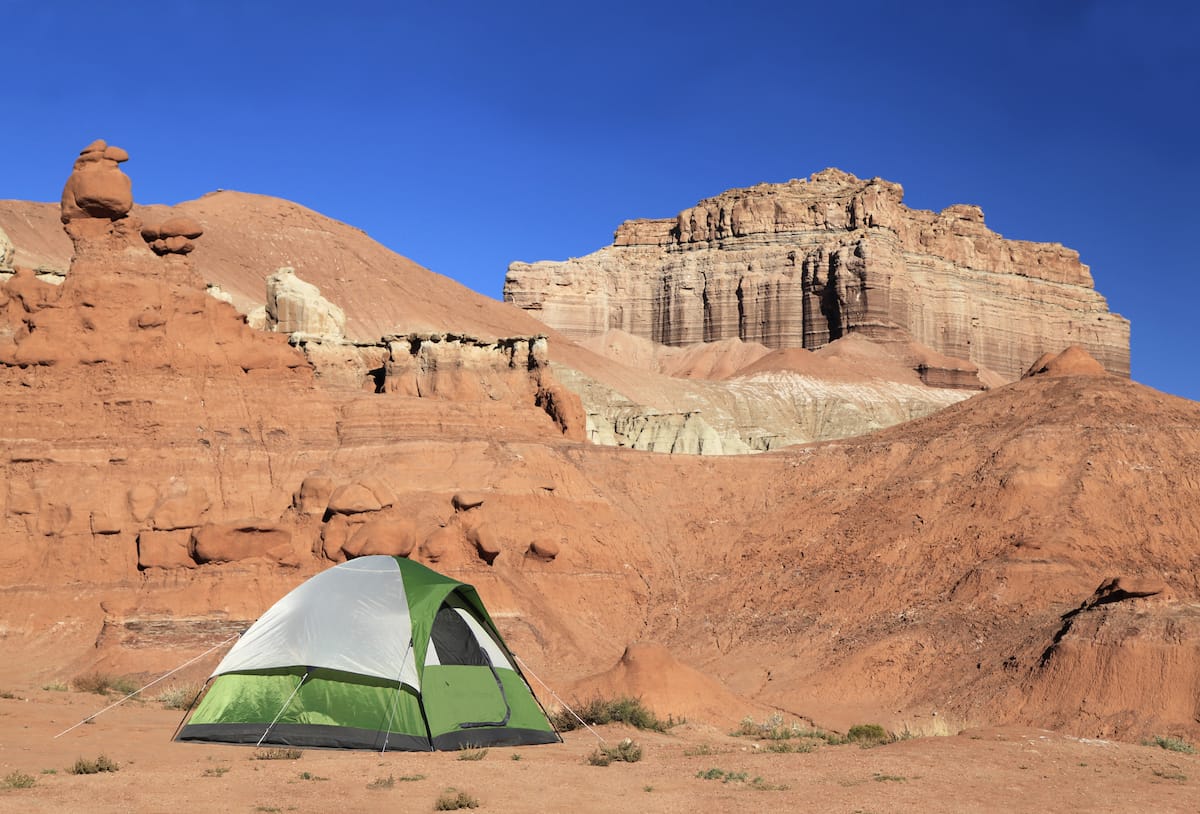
(375, 653)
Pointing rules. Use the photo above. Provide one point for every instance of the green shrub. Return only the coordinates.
(471, 753)
(453, 800)
(391, 780)
(100, 764)
(599, 711)
(758, 784)
(216, 771)
(868, 734)
(774, 729)
(1171, 744)
(105, 683)
(18, 780)
(55, 686)
(788, 747)
(179, 696)
(276, 754)
(624, 752)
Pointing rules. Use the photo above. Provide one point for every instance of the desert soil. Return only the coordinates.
(1005, 769)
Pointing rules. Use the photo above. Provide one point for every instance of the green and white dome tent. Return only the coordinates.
(375, 653)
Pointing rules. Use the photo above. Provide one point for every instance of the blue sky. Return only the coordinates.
(465, 135)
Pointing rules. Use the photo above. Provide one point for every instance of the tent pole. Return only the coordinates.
(396, 703)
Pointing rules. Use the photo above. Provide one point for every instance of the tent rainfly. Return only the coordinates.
(375, 653)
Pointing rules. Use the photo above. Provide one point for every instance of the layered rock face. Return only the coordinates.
(803, 263)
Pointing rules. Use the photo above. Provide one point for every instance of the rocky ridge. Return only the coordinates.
(800, 264)
(339, 273)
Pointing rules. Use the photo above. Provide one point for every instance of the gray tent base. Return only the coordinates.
(313, 736)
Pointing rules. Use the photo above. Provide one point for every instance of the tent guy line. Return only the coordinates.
(187, 663)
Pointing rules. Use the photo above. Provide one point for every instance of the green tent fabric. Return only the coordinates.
(376, 653)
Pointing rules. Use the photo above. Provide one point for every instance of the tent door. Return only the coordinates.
(465, 679)
(503, 697)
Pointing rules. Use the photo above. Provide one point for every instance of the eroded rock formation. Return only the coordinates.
(175, 235)
(297, 307)
(7, 252)
(96, 188)
(803, 263)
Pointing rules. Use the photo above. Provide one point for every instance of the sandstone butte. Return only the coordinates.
(801, 264)
(1026, 556)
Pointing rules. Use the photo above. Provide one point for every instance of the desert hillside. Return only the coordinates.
(1026, 556)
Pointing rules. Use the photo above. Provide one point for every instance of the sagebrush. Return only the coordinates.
(624, 709)
(105, 683)
(101, 764)
(624, 752)
(453, 800)
(1171, 744)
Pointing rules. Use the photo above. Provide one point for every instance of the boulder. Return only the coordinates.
(313, 495)
(241, 540)
(379, 489)
(164, 549)
(333, 537)
(441, 544)
(172, 236)
(486, 541)
(180, 510)
(353, 498)
(96, 187)
(393, 536)
(294, 306)
(544, 549)
(464, 501)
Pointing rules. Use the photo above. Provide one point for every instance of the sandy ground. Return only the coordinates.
(984, 770)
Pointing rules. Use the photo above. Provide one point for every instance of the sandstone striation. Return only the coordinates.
(804, 263)
(7, 253)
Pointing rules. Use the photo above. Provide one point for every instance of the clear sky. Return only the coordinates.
(465, 135)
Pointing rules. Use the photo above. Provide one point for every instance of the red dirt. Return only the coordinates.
(1012, 770)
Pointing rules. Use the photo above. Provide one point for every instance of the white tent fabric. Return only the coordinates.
(369, 633)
